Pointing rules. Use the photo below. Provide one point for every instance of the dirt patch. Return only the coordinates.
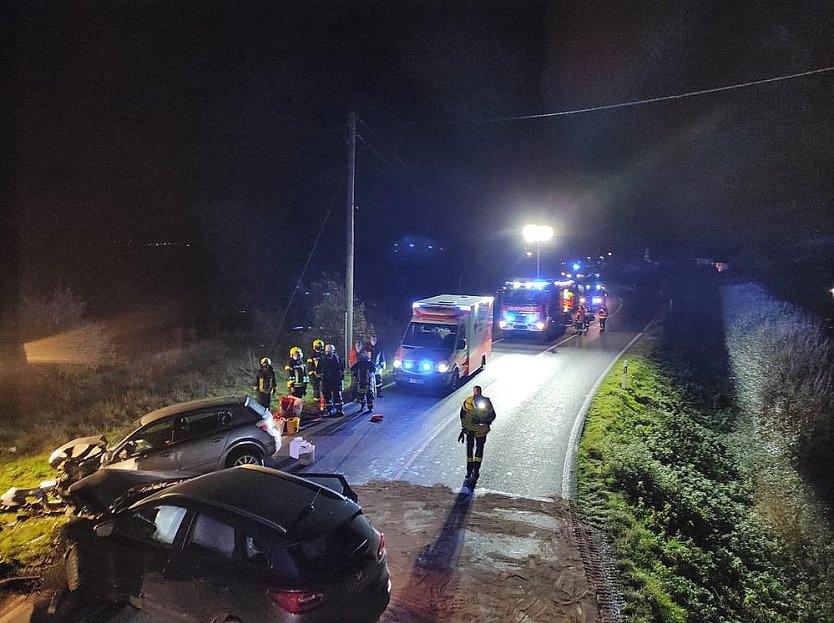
(486, 557)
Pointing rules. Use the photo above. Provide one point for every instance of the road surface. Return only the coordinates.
(538, 391)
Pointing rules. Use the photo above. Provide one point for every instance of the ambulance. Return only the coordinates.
(448, 339)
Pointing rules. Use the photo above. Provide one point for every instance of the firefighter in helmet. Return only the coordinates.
(332, 372)
(264, 384)
(476, 414)
(296, 370)
(363, 372)
(313, 367)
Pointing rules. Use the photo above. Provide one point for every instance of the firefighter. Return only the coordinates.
(476, 414)
(363, 372)
(313, 367)
(296, 370)
(377, 357)
(332, 372)
(602, 314)
(580, 320)
(264, 385)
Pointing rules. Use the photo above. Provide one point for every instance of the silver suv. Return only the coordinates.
(198, 437)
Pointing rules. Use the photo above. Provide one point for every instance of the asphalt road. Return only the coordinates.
(538, 390)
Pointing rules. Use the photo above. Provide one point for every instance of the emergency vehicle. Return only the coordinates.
(540, 307)
(448, 339)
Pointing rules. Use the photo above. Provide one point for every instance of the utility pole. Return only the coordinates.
(351, 145)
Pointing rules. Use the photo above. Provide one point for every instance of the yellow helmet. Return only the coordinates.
(318, 344)
(266, 361)
(295, 351)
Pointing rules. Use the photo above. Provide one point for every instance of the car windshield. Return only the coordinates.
(430, 335)
(122, 432)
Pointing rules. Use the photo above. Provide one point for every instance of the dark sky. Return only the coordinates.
(222, 124)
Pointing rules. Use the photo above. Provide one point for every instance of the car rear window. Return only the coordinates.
(244, 415)
(266, 549)
(335, 549)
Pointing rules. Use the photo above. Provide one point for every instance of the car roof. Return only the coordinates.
(193, 405)
(265, 494)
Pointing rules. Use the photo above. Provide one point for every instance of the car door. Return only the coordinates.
(205, 567)
(200, 439)
(140, 547)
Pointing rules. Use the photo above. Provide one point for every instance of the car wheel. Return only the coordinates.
(454, 381)
(246, 456)
(72, 564)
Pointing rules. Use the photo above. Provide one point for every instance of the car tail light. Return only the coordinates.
(380, 550)
(296, 602)
(264, 426)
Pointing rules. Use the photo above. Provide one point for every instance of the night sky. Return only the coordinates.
(221, 125)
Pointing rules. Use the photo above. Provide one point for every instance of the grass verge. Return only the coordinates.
(660, 475)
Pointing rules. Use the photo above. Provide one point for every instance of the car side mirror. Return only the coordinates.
(104, 530)
(461, 343)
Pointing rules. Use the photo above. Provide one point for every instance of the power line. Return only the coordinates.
(403, 172)
(651, 100)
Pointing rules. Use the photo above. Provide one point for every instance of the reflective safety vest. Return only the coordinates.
(602, 313)
(476, 414)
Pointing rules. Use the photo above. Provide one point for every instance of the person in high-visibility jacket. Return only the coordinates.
(264, 384)
(602, 314)
(296, 371)
(313, 367)
(476, 414)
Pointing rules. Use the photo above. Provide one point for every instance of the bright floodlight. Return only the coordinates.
(537, 233)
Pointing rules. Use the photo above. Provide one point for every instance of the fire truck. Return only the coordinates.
(448, 339)
(539, 307)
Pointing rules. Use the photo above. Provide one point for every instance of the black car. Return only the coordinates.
(243, 544)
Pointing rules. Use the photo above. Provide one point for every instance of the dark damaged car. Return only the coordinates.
(246, 544)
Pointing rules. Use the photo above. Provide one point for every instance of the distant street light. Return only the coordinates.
(537, 234)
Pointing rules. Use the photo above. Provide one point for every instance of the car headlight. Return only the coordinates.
(398, 363)
(502, 323)
(540, 325)
(442, 367)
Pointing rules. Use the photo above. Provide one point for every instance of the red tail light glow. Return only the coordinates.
(296, 602)
(263, 426)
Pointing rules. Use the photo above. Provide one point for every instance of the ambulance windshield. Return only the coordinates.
(428, 335)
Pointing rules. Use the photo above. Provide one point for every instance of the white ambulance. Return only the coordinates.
(448, 339)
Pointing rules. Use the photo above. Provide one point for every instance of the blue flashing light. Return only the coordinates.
(599, 287)
(509, 316)
(426, 366)
(408, 365)
(576, 267)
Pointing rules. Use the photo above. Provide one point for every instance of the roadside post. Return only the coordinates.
(624, 379)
